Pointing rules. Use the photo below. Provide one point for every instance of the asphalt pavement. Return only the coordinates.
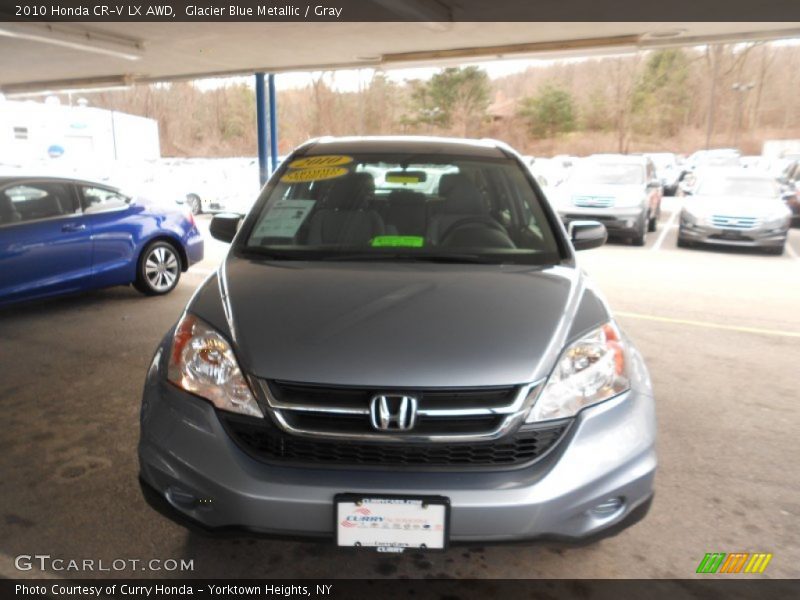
(720, 331)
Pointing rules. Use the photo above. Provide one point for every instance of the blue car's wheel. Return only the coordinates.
(159, 269)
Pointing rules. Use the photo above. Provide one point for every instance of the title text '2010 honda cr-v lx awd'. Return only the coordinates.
(400, 352)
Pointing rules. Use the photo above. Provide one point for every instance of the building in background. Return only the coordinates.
(73, 137)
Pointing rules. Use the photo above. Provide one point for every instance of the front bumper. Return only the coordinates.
(618, 221)
(189, 463)
(195, 248)
(745, 238)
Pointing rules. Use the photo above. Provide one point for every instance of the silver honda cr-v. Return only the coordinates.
(400, 351)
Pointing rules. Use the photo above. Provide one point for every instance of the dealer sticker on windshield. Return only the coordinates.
(314, 174)
(392, 523)
(397, 241)
(321, 161)
(284, 219)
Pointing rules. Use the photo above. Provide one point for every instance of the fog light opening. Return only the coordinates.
(608, 507)
(181, 498)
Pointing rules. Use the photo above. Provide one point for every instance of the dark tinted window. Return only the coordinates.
(35, 201)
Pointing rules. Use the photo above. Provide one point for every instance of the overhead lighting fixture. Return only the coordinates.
(87, 85)
(75, 39)
(368, 58)
(665, 34)
(23, 95)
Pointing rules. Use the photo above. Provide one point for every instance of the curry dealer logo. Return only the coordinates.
(360, 514)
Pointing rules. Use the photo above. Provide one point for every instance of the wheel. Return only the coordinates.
(159, 269)
(639, 238)
(193, 201)
(652, 222)
(683, 242)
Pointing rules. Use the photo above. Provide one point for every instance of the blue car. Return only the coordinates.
(59, 236)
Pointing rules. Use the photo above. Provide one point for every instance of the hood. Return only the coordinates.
(398, 325)
(735, 206)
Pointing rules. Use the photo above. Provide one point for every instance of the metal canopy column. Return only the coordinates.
(261, 123)
(273, 123)
(267, 163)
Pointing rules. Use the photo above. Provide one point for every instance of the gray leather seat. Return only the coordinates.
(344, 217)
(406, 213)
(461, 200)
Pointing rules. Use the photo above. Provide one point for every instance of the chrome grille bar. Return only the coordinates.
(508, 415)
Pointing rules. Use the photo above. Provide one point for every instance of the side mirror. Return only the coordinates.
(224, 226)
(586, 235)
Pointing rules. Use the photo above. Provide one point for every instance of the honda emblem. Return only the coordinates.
(393, 412)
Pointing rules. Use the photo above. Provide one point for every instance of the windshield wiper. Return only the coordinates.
(270, 254)
(402, 257)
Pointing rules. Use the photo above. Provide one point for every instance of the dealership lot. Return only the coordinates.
(720, 331)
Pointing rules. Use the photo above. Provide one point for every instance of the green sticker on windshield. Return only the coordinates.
(398, 241)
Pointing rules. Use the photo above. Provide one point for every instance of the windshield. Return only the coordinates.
(738, 186)
(608, 173)
(403, 207)
(718, 160)
(663, 161)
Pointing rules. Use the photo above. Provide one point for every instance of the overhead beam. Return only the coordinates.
(512, 49)
(67, 36)
(550, 49)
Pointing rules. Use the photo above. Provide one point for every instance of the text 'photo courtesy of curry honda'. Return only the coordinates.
(399, 351)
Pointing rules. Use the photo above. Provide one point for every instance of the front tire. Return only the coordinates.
(652, 223)
(639, 237)
(158, 270)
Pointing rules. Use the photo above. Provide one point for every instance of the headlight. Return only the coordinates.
(689, 218)
(778, 221)
(202, 362)
(589, 371)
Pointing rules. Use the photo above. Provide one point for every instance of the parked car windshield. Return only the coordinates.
(403, 207)
(738, 186)
(664, 160)
(608, 173)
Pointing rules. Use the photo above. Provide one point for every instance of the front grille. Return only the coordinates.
(263, 441)
(728, 222)
(325, 396)
(442, 414)
(594, 201)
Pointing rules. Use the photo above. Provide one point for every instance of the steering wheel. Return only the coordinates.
(473, 220)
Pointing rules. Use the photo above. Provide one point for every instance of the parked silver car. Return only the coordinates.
(397, 369)
(621, 191)
(735, 208)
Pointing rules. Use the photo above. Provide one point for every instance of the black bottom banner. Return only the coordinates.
(440, 589)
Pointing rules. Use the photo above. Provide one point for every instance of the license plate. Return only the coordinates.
(392, 523)
(732, 234)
